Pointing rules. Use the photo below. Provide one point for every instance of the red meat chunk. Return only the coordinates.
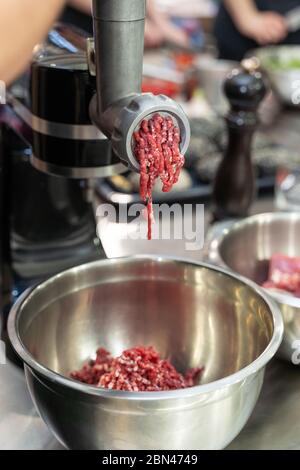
(284, 274)
(138, 369)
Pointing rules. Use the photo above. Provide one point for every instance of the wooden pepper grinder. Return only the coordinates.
(234, 187)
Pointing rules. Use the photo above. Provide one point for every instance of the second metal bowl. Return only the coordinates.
(246, 248)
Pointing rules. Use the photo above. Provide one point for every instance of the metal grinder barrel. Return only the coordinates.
(119, 106)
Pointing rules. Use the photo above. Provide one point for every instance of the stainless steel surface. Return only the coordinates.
(285, 82)
(274, 424)
(246, 248)
(77, 172)
(20, 426)
(55, 129)
(119, 48)
(120, 240)
(114, 10)
(90, 52)
(176, 306)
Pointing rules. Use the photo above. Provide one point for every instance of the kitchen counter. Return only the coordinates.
(274, 424)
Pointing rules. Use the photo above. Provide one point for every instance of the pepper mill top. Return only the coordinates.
(245, 87)
(234, 186)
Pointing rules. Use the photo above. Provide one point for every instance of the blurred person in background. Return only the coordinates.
(23, 24)
(242, 25)
(158, 29)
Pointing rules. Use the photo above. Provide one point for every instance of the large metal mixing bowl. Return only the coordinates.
(285, 81)
(246, 248)
(192, 314)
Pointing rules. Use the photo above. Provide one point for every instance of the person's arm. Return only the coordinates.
(159, 28)
(264, 27)
(85, 6)
(23, 24)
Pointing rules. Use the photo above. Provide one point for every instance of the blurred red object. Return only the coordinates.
(161, 87)
(284, 274)
(184, 61)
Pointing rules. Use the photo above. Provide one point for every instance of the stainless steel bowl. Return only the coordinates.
(192, 314)
(286, 83)
(246, 248)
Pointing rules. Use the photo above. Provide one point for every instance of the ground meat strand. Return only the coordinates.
(138, 369)
(157, 149)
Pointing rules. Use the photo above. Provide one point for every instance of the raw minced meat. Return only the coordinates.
(139, 369)
(284, 274)
(157, 149)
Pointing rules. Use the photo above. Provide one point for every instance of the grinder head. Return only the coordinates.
(140, 107)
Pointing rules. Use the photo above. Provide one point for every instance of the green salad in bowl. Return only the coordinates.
(281, 63)
(282, 66)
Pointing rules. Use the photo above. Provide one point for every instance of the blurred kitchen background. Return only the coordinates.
(194, 75)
